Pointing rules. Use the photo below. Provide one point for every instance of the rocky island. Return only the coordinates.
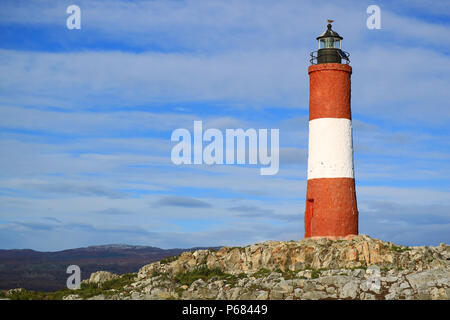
(357, 267)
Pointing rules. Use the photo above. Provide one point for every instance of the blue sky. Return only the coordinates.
(86, 118)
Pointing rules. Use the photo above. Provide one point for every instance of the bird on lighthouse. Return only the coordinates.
(331, 209)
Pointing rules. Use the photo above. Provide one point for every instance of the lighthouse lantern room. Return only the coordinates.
(329, 48)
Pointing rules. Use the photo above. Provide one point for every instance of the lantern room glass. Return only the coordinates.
(330, 43)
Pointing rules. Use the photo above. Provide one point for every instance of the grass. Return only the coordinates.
(169, 259)
(202, 272)
(399, 249)
(86, 291)
(356, 268)
(179, 291)
(261, 273)
(315, 273)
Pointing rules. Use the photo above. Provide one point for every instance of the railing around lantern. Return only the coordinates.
(343, 54)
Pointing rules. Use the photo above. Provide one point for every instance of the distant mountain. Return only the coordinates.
(46, 271)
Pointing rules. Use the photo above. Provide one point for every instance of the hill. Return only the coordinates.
(46, 271)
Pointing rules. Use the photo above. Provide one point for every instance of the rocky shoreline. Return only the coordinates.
(358, 267)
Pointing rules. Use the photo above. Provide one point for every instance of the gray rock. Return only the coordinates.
(338, 281)
(235, 293)
(262, 295)
(298, 292)
(98, 297)
(440, 293)
(102, 276)
(367, 296)
(358, 273)
(276, 295)
(404, 285)
(349, 290)
(72, 297)
(331, 290)
(314, 295)
(284, 287)
(390, 296)
(420, 280)
(389, 279)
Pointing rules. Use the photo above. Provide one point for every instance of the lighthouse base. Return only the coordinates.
(331, 209)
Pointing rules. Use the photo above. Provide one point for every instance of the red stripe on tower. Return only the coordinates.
(331, 209)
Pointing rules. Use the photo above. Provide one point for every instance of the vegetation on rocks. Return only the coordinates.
(87, 290)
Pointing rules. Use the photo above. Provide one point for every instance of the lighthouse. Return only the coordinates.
(331, 209)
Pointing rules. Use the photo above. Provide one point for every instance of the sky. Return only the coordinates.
(86, 118)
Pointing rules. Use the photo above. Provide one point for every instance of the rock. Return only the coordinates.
(373, 271)
(298, 292)
(102, 276)
(404, 285)
(284, 287)
(276, 295)
(349, 290)
(389, 279)
(331, 290)
(72, 297)
(390, 296)
(358, 273)
(234, 293)
(367, 296)
(373, 285)
(15, 291)
(356, 267)
(422, 279)
(147, 270)
(337, 281)
(98, 297)
(262, 295)
(439, 294)
(314, 295)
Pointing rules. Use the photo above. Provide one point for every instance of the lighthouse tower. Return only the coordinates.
(331, 209)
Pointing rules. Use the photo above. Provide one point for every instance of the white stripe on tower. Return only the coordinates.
(330, 150)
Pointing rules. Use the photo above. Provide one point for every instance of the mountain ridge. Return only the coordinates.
(46, 270)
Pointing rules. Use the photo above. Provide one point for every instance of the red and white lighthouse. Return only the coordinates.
(331, 209)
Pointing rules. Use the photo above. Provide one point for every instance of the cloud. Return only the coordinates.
(93, 79)
(35, 226)
(406, 223)
(52, 219)
(114, 211)
(90, 190)
(183, 202)
(251, 211)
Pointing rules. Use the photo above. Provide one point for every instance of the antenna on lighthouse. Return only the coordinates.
(330, 21)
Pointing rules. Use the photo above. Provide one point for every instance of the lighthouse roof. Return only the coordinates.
(329, 33)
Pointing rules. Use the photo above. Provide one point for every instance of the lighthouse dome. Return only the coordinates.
(329, 48)
(329, 33)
